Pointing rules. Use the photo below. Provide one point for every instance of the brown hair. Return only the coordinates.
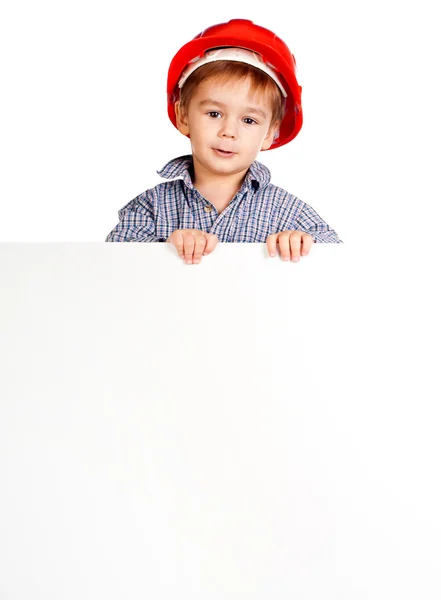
(223, 71)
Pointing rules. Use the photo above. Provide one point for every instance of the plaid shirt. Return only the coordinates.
(256, 211)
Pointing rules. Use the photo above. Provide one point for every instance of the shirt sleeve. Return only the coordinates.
(299, 216)
(136, 222)
(310, 222)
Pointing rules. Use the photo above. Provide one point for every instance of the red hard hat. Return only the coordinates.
(242, 33)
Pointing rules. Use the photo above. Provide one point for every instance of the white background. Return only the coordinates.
(83, 130)
(84, 125)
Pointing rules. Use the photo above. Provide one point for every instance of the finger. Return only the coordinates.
(271, 242)
(177, 239)
(188, 246)
(295, 241)
(199, 245)
(211, 241)
(284, 246)
(307, 241)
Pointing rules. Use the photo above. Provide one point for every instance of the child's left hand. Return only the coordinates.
(291, 243)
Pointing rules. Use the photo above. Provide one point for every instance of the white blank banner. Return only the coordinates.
(240, 429)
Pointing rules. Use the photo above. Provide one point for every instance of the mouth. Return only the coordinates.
(225, 153)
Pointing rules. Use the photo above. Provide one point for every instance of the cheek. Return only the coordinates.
(199, 125)
(259, 136)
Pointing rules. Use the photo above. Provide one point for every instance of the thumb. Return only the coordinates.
(211, 242)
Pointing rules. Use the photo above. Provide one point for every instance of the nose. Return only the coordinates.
(228, 129)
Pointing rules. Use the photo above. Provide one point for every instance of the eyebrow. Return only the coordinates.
(221, 104)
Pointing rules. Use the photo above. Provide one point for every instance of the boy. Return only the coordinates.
(233, 91)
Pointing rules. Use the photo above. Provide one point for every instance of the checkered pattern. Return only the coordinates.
(257, 210)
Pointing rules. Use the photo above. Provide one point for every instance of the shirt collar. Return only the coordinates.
(182, 167)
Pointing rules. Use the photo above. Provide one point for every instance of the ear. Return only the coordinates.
(269, 138)
(181, 119)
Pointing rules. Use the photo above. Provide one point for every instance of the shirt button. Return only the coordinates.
(208, 208)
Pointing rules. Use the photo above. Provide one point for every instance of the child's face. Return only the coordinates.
(226, 116)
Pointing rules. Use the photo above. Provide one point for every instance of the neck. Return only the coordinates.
(219, 183)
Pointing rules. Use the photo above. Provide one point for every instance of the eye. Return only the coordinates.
(250, 119)
(213, 112)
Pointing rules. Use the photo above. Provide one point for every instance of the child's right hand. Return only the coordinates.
(191, 244)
